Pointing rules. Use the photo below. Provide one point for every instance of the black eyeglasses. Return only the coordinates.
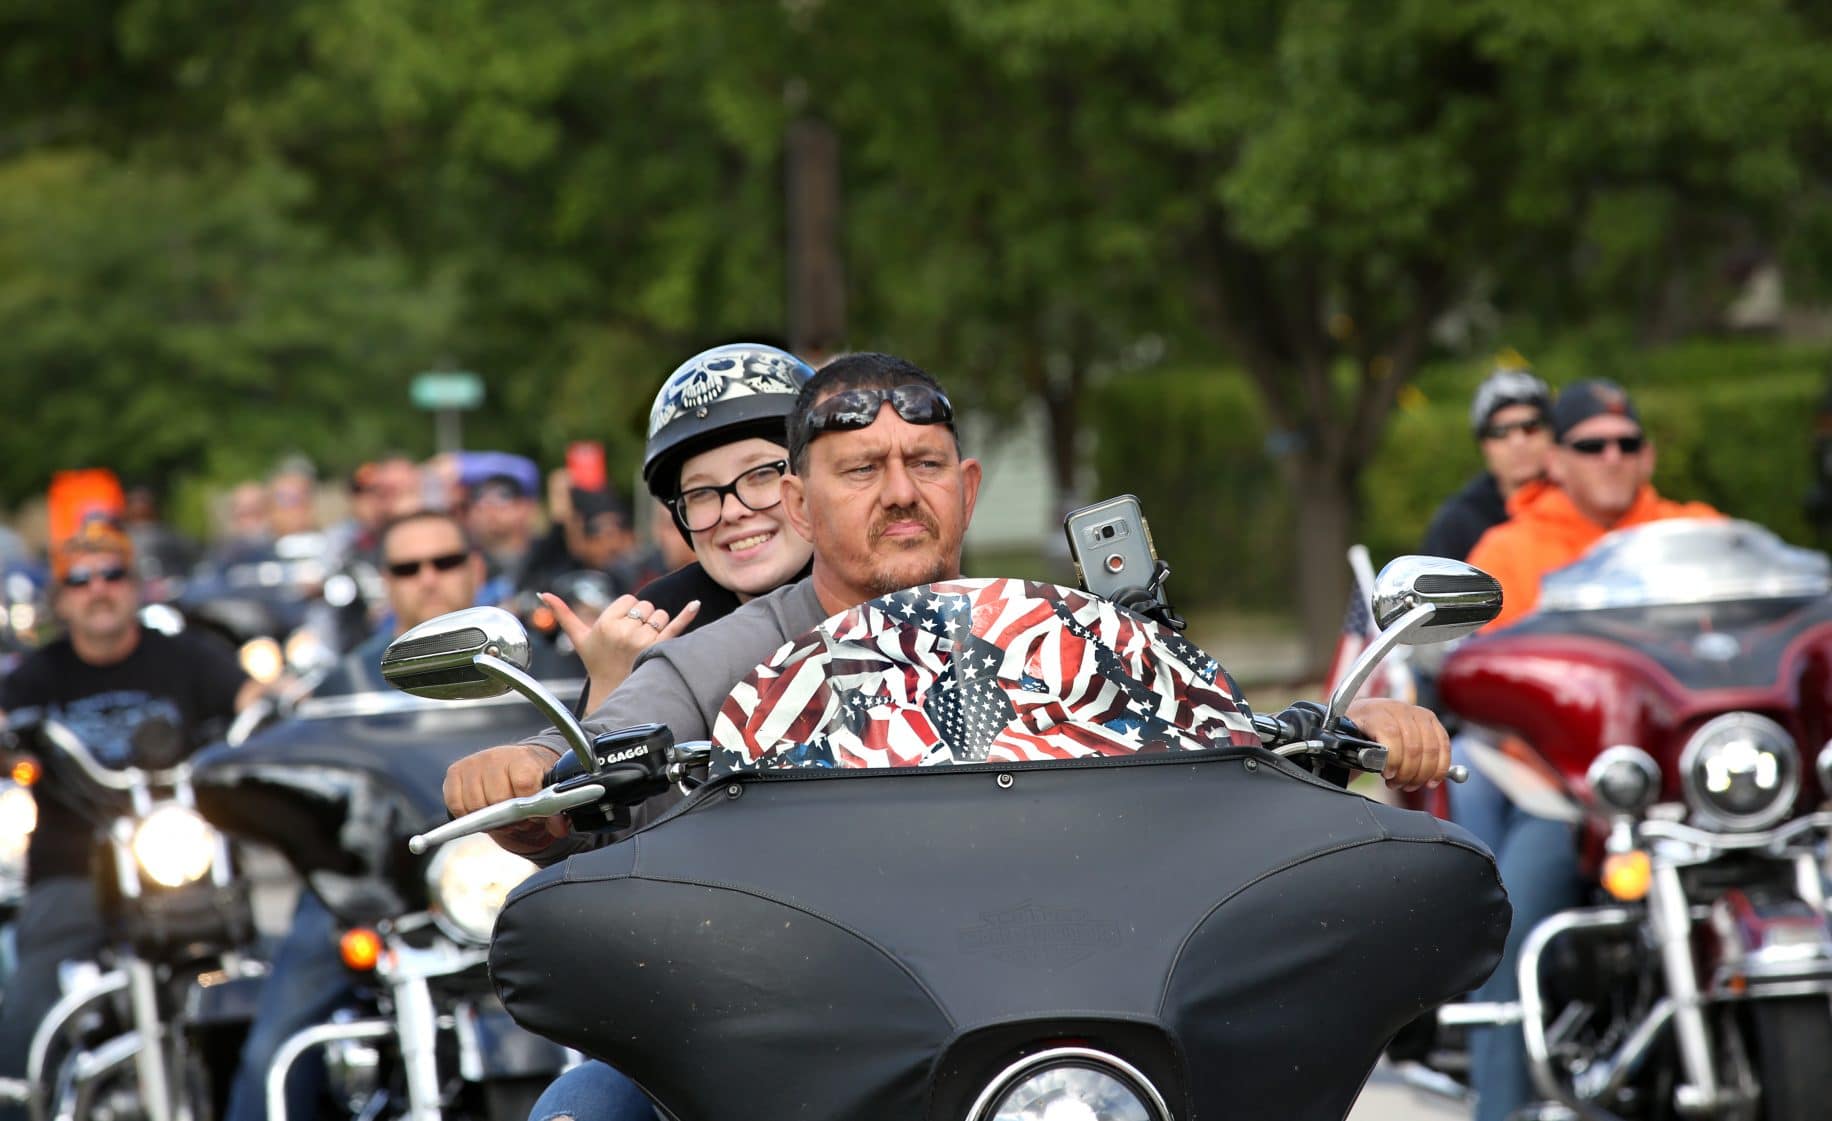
(1597, 445)
(407, 570)
(699, 508)
(1503, 431)
(82, 576)
(858, 408)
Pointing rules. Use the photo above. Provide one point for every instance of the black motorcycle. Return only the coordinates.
(151, 1028)
(1128, 904)
(338, 790)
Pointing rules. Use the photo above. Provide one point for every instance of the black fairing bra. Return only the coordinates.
(880, 943)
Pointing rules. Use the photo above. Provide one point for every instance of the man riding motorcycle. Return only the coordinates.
(429, 568)
(104, 678)
(880, 488)
(1598, 480)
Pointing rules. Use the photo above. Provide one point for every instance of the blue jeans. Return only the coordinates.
(592, 1091)
(1537, 860)
(307, 983)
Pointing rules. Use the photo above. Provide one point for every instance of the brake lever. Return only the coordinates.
(542, 803)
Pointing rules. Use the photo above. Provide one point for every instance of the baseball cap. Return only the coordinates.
(96, 535)
(1581, 400)
(1511, 383)
(476, 469)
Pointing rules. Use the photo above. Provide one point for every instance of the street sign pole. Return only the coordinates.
(448, 428)
(447, 394)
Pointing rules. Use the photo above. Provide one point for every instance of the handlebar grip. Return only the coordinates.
(1370, 756)
(545, 803)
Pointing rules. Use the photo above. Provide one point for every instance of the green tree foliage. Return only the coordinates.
(161, 321)
(1039, 195)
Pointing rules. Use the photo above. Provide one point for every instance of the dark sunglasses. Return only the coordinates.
(82, 576)
(405, 570)
(858, 408)
(1597, 445)
(1503, 431)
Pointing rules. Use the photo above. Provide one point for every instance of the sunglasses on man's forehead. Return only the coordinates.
(858, 408)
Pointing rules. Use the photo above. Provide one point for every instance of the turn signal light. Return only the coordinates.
(1626, 875)
(361, 949)
(26, 772)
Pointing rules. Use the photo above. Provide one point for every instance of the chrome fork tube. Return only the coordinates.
(1809, 883)
(1671, 920)
(417, 1027)
(143, 992)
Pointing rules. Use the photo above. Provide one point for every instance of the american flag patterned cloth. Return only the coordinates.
(972, 671)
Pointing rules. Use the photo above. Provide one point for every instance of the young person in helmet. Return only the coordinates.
(716, 455)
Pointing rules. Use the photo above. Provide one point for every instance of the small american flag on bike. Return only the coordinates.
(1393, 677)
(971, 671)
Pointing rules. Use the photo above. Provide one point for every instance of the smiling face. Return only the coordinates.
(749, 551)
(886, 506)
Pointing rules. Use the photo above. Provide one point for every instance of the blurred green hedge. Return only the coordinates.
(1733, 422)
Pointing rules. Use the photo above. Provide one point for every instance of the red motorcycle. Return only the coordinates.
(1668, 687)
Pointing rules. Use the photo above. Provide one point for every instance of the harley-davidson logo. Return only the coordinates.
(1031, 934)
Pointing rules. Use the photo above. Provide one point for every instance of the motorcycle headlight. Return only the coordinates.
(1624, 779)
(468, 880)
(305, 651)
(174, 845)
(18, 817)
(1741, 771)
(262, 660)
(1070, 1084)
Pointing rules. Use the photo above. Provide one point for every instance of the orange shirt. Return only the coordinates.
(1544, 531)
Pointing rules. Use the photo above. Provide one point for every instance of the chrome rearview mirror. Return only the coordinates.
(436, 659)
(471, 654)
(1417, 601)
(1464, 596)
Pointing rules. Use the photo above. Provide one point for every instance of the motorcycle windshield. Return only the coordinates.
(1685, 560)
(339, 789)
(978, 671)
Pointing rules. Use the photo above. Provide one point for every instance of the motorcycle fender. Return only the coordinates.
(492, 1046)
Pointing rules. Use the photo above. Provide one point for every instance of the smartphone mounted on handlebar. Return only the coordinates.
(1115, 558)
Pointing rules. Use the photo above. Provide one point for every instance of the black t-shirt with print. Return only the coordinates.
(187, 679)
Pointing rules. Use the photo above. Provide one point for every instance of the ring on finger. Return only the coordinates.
(651, 622)
(634, 613)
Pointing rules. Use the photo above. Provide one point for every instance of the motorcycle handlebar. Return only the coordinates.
(543, 803)
(572, 788)
(1285, 738)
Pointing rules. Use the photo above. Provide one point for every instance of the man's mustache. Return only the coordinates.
(903, 514)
